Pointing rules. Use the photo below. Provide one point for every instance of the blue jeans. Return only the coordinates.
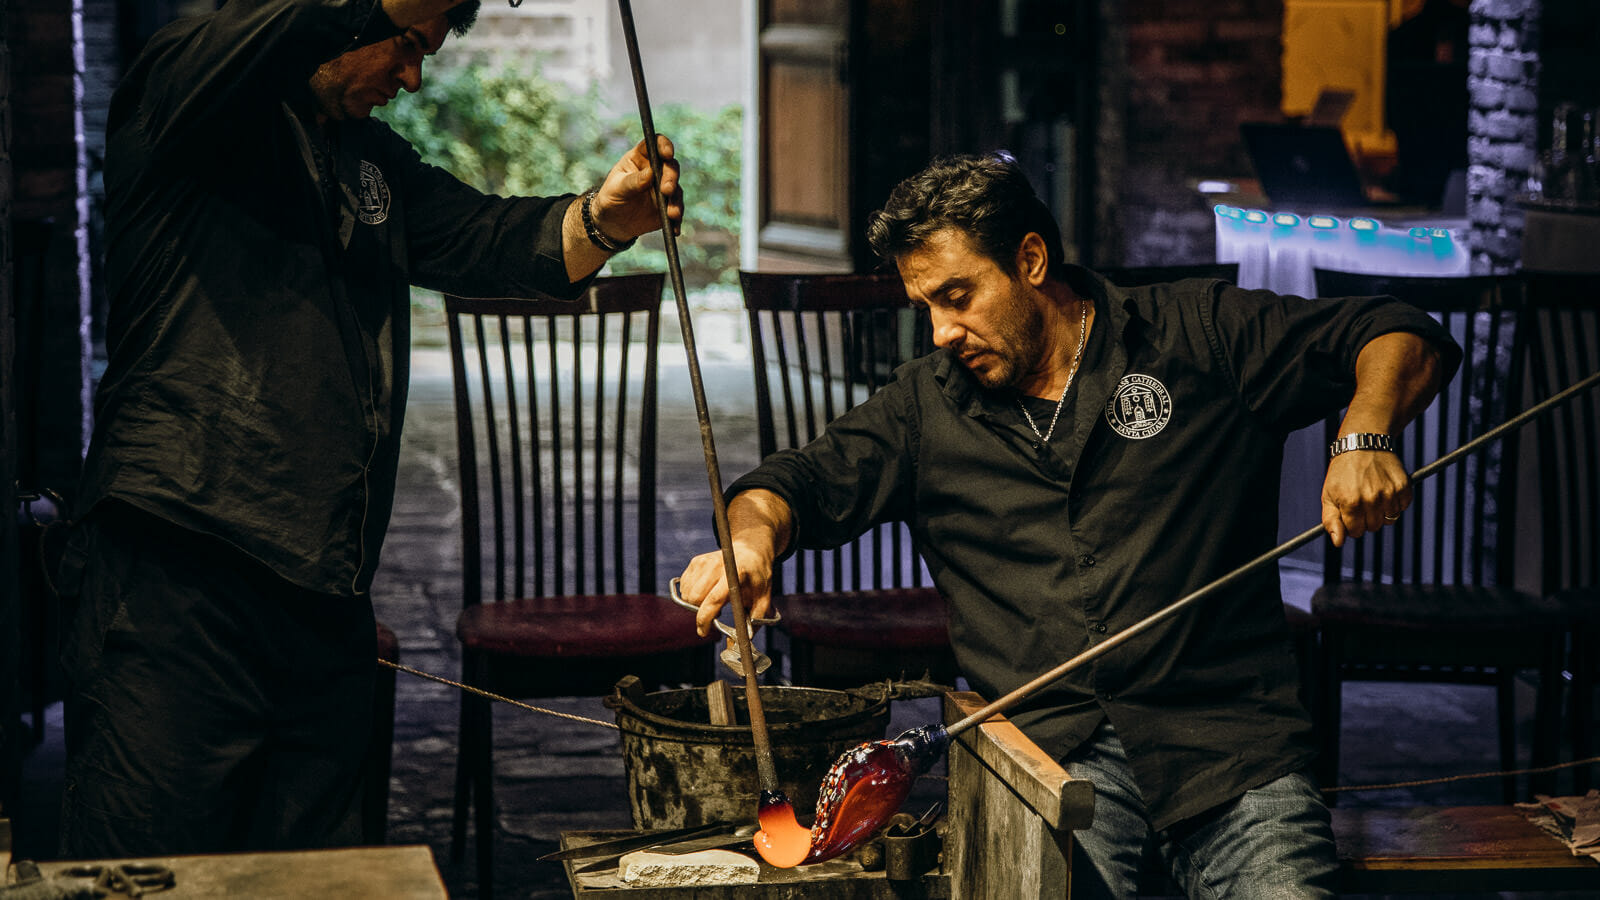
(1275, 841)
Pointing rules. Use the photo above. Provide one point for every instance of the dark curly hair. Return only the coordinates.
(985, 196)
(462, 16)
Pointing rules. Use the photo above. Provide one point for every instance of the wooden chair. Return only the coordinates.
(1135, 276)
(1431, 598)
(556, 429)
(1561, 345)
(865, 611)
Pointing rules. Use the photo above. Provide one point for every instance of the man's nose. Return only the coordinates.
(947, 332)
(411, 77)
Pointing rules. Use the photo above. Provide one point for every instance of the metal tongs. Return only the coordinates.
(730, 655)
(607, 854)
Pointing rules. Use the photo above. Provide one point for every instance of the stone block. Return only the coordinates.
(1504, 9)
(645, 868)
(1501, 125)
(1508, 68)
(1521, 98)
(1486, 93)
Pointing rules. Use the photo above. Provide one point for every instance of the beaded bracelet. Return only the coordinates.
(596, 236)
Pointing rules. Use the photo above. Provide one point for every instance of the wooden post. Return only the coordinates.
(1012, 812)
(719, 703)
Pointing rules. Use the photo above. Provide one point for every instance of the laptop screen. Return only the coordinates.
(1303, 165)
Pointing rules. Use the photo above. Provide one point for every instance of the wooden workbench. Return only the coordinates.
(355, 873)
(1454, 848)
(836, 879)
(1012, 810)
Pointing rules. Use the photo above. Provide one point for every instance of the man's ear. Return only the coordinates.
(1033, 259)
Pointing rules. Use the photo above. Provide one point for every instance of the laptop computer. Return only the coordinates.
(1305, 166)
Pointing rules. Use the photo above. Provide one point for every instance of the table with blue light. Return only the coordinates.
(1278, 250)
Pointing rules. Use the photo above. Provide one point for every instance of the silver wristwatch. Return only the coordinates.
(1366, 440)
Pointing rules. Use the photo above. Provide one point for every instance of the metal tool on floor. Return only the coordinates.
(132, 879)
(88, 882)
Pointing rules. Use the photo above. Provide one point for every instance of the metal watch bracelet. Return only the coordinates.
(1365, 440)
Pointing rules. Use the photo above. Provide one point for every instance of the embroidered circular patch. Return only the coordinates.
(1139, 407)
(374, 200)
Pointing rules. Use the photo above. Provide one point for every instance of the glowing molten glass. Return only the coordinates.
(861, 792)
(782, 840)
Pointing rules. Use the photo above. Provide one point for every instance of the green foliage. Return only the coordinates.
(510, 133)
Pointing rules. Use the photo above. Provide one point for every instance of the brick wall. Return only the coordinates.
(1194, 71)
(1502, 127)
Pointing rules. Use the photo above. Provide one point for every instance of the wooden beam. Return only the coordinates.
(1012, 811)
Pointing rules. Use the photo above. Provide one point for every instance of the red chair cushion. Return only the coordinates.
(1434, 606)
(889, 619)
(388, 644)
(579, 627)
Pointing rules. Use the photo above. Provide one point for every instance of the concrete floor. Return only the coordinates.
(555, 774)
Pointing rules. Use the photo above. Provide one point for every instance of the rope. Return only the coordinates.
(1338, 789)
(1426, 781)
(493, 696)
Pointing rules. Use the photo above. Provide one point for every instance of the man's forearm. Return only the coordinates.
(1397, 376)
(761, 518)
(582, 255)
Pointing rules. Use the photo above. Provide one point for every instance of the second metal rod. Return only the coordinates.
(765, 769)
(1017, 695)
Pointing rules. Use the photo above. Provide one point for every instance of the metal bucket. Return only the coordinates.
(684, 771)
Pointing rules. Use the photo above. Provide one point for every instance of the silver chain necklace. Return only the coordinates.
(1083, 334)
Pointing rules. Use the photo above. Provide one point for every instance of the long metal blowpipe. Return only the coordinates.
(867, 784)
(779, 827)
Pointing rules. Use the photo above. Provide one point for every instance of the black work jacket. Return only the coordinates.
(259, 311)
(1162, 475)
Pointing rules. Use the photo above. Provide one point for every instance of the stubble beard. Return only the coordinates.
(1018, 345)
(332, 87)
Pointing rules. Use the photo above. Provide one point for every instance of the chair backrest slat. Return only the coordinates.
(536, 467)
(560, 477)
(822, 344)
(1562, 346)
(556, 416)
(1459, 529)
(513, 452)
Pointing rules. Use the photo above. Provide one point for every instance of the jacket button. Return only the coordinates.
(1086, 560)
(1101, 628)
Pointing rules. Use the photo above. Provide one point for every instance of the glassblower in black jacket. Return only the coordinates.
(263, 233)
(1072, 458)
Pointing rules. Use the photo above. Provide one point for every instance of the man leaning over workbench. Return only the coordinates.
(1074, 457)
